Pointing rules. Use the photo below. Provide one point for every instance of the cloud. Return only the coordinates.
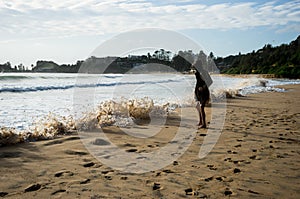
(46, 18)
(289, 28)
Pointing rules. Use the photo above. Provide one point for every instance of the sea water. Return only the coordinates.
(25, 98)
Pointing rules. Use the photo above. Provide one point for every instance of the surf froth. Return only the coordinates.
(122, 113)
(46, 128)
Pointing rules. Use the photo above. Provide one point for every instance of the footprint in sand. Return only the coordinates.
(85, 181)
(153, 145)
(221, 178)
(106, 172)
(156, 186)
(236, 170)
(228, 192)
(237, 161)
(63, 173)
(280, 156)
(33, 187)
(192, 192)
(208, 179)
(254, 157)
(108, 177)
(58, 191)
(211, 167)
(2, 194)
(89, 164)
(231, 152)
(131, 150)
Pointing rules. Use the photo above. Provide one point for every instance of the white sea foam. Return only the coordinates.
(120, 113)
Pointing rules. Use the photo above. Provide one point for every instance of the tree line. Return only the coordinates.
(180, 62)
(281, 61)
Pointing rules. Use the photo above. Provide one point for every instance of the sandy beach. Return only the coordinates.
(256, 156)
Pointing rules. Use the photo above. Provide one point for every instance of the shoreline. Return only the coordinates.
(257, 155)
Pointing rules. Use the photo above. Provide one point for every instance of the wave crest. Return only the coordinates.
(122, 113)
(46, 128)
(10, 136)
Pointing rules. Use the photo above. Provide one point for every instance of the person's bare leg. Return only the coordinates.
(198, 107)
(202, 113)
(200, 119)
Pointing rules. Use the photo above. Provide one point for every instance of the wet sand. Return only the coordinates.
(256, 156)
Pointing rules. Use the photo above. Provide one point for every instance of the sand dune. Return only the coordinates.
(256, 156)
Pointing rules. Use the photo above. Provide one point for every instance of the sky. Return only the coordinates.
(70, 30)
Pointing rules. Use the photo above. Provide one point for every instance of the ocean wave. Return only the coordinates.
(247, 87)
(10, 77)
(121, 113)
(70, 86)
(46, 128)
(113, 76)
(13, 77)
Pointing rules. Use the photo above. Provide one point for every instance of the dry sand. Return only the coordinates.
(256, 156)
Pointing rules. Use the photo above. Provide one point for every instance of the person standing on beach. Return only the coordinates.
(201, 92)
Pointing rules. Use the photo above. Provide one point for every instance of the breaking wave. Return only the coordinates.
(122, 113)
(46, 128)
(13, 77)
(18, 89)
(249, 86)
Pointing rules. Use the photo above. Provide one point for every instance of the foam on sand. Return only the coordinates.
(48, 127)
(122, 113)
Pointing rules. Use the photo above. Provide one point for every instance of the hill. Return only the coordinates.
(281, 61)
